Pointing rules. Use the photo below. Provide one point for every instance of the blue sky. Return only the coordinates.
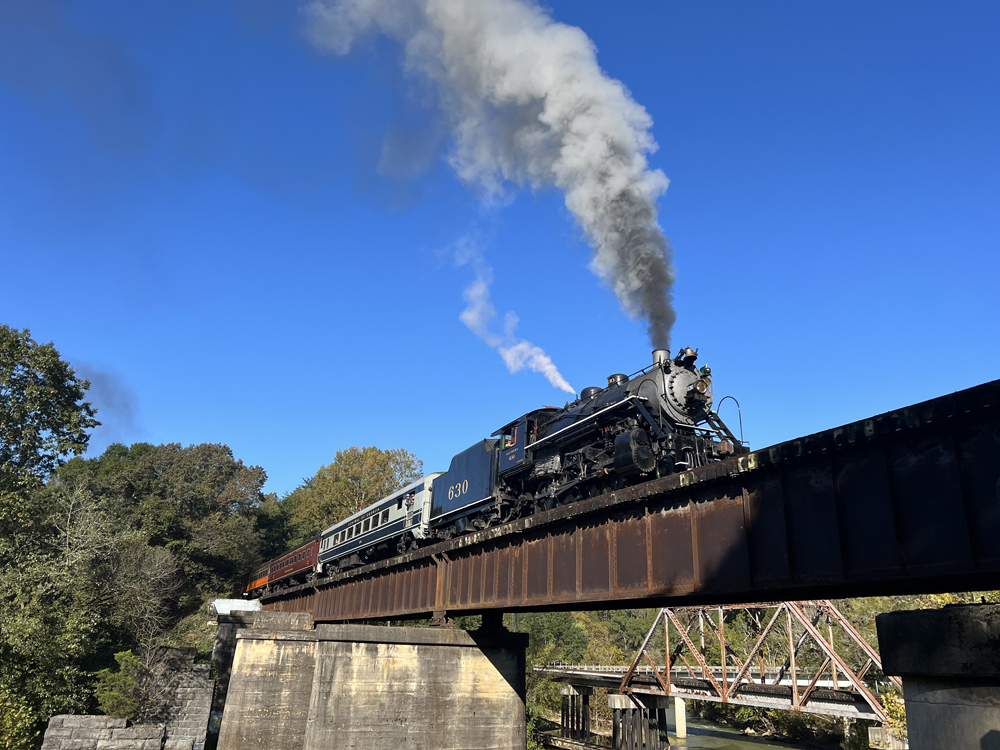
(193, 208)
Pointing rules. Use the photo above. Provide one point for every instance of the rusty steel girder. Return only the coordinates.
(905, 502)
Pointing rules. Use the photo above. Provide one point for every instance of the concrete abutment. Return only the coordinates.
(949, 662)
(298, 687)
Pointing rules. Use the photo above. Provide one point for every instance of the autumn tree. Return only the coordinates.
(356, 478)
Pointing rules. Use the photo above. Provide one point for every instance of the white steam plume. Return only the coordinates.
(479, 313)
(528, 102)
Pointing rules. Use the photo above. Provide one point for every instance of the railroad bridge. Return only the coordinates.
(904, 502)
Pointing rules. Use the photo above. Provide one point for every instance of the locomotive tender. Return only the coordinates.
(657, 422)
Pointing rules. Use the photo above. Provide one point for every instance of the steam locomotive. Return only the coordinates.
(656, 422)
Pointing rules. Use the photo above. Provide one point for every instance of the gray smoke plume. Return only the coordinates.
(116, 404)
(42, 50)
(528, 102)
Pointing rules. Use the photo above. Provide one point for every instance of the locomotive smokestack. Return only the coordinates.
(661, 356)
(528, 103)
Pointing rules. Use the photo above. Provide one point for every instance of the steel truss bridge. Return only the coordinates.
(802, 656)
(903, 502)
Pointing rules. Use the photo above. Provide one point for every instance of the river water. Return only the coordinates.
(703, 734)
(706, 735)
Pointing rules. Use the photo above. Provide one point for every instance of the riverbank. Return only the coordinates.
(703, 734)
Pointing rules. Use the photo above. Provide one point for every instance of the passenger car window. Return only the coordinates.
(399, 504)
(385, 516)
(367, 524)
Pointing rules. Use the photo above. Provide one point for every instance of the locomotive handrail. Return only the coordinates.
(587, 419)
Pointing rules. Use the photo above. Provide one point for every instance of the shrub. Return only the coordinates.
(119, 693)
(20, 726)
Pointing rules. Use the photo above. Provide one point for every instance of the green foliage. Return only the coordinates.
(20, 724)
(199, 503)
(552, 636)
(531, 729)
(602, 647)
(356, 478)
(628, 627)
(110, 553)
(856, 737)
(119, 691)
(895, 714)
(276, 526)
(42, 413)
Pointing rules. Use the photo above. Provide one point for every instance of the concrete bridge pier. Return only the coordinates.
(680, 718)
(298, 687)
(949, 662)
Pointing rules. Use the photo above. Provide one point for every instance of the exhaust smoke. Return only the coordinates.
(479, 313)
(528, 103)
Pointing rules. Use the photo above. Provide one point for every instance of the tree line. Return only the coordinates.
(104, 558)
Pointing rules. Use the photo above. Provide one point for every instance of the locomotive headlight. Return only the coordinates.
(701, 386)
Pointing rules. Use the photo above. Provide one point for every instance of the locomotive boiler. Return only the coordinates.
(653, 423)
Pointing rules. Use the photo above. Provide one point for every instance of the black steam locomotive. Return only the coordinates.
(654, 423)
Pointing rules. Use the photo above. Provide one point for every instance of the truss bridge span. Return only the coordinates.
(906, 501)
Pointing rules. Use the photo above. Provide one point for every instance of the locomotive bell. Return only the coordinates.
(686, 357)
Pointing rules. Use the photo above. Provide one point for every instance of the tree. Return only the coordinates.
(43, 416)
(47, 622)
(119, 692)
(356, 478)
(198, 502)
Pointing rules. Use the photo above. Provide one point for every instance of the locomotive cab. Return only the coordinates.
(518, 436)
(512, 440)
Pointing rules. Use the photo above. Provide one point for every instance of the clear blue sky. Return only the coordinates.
(192, 208)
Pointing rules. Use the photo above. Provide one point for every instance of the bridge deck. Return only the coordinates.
(900, 503)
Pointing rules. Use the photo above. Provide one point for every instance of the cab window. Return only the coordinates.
(509, 437)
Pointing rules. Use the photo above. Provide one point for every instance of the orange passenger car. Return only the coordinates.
(289, 569)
